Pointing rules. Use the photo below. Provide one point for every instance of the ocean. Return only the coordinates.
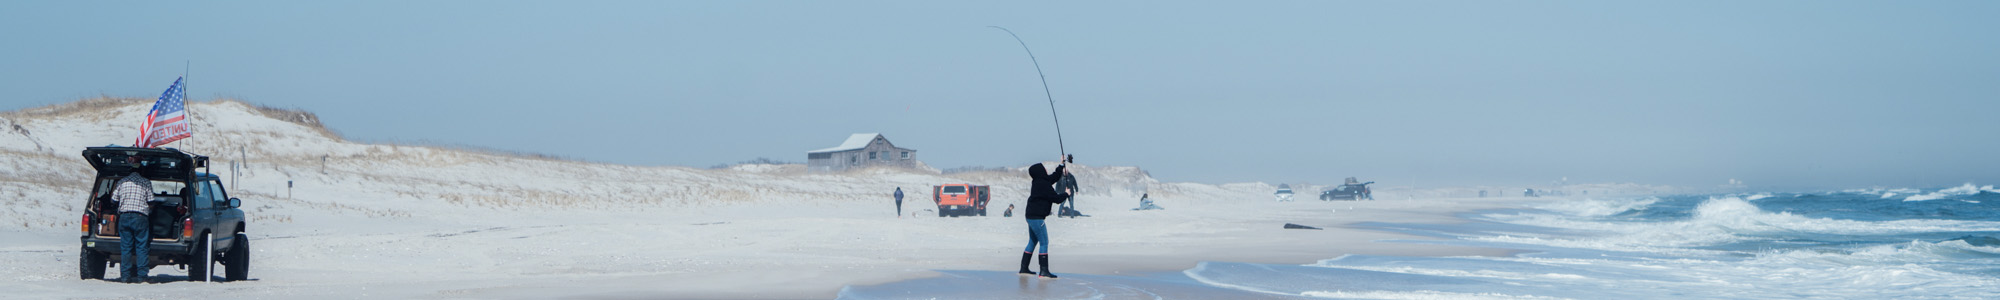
(1936, 243)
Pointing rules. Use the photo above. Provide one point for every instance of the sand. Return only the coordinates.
(738, 252)
(423, 222)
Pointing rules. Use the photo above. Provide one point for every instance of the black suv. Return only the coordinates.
(194, 222)
(1350, 191)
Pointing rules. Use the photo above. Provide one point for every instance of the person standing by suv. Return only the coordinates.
(134, 230)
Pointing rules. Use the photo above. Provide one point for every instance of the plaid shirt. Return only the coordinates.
(132, 193)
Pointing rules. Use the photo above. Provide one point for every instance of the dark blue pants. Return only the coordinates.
(134, 238)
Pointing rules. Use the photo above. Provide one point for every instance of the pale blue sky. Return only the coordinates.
(1777, 93)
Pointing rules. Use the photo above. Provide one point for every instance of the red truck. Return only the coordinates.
(960, 199)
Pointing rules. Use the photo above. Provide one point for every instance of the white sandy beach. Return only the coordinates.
(399, 222)
(747, 251)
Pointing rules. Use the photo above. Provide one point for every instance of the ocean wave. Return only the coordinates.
(1598, 208)
(1902, 271)
(1896, 256)
(1893, 271)
(1745, 246)
(1737, 215)
(1878, 191)
(1963, 190)
(1715, 221)
(1413, 295)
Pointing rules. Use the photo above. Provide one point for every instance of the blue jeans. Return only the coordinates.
(134, 238)
(1037, 234)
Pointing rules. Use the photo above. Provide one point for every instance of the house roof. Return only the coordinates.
(854, 142)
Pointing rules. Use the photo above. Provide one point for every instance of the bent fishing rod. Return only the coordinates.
(1045, 90)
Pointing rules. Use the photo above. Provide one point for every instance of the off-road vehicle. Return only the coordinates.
(1353, 190)
(961, 199)
(195, 224)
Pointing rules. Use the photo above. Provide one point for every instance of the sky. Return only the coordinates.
(1796, 94)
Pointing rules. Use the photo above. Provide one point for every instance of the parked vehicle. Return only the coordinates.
(961, 199)
(195, 223)
(1284, 192)
(1353, 190)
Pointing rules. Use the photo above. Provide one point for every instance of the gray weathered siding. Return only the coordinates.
(886, 154)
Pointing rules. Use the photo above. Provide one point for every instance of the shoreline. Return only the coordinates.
(1256, 241)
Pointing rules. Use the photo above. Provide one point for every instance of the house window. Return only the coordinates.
(854, 160)
(906, 154)
(871, 155)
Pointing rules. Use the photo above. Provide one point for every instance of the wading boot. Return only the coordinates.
(1024, 264)
(1045, 268)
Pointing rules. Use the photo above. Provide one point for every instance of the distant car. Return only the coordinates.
(1350, 191)
(1284, 192)
(194, 221)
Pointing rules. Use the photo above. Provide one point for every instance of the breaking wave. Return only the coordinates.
(1964, 190)
(1850, 244)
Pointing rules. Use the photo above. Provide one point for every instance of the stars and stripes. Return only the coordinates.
(167, 122)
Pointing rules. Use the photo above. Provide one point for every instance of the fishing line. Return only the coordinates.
(1045, 88)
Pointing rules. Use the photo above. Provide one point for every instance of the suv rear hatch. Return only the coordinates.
(954, 194)
(154, 163)
(170, 170)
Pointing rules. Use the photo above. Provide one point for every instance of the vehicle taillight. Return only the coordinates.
(86, 223)
(187, 228)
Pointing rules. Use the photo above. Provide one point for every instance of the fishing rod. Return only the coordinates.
(1045, 90)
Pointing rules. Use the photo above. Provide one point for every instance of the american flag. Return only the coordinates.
(167, 122)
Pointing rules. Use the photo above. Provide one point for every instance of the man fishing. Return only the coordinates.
(1042, 194)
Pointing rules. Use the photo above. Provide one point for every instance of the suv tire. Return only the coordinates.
(236, 262)
(91, 265)
(202, 260)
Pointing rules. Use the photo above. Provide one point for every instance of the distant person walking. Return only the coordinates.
(899, 202)
(134, 230)
(1041, 194)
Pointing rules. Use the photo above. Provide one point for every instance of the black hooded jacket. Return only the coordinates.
(1042, 193)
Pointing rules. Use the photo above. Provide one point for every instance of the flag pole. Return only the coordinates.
(186, 65)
